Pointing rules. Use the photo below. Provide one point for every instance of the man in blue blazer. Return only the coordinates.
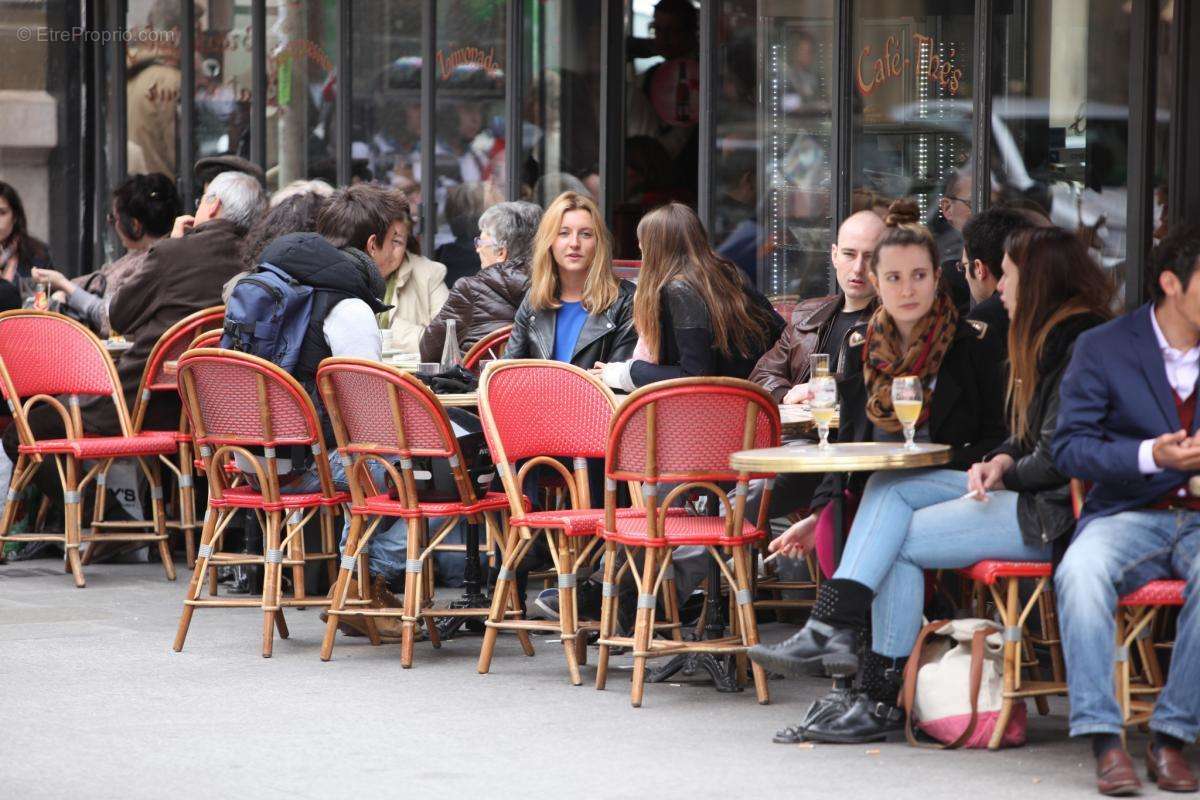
(1128, 424)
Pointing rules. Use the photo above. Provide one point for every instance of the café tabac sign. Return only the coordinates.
(875, 71)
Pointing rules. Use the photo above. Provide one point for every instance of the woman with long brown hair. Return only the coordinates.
(576, 309)
(695, 312)
(1012, 504)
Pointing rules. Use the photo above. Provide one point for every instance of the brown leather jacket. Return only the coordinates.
(786, 364)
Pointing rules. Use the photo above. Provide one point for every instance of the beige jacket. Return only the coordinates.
(417, 290)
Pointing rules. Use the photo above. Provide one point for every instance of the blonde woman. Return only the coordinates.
(576, 309)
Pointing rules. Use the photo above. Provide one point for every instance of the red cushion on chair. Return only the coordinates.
(988, 572)
(245, 497)
(386, 505)
(148, 443)
(571, 521)
(681, 530)
(1156, 593)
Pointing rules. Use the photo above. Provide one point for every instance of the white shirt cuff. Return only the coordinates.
(1146, 464)
(616, 376)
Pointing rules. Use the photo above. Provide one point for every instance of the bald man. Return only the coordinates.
(822, 324)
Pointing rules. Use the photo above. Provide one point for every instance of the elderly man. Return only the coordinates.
(487, 300)
(179, 276)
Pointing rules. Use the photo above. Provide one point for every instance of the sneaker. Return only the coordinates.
(545, 605)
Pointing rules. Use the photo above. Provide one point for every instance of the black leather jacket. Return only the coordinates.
(607, 336)
(1044, 501)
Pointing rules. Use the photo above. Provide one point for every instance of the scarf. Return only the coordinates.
(885, 360)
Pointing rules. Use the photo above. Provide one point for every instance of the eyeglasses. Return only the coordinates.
(481, 242)
(954, 199)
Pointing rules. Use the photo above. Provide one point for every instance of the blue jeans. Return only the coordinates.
(913, 520)
(1110, 557)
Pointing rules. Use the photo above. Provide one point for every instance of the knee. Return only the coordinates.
(1082, 573)
(882, 481)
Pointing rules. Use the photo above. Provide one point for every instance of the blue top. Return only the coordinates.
(571, 317)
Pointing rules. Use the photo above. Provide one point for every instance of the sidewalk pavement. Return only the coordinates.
(95, 704)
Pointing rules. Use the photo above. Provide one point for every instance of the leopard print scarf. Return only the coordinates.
(884, 359)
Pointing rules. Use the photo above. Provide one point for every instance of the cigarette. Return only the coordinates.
(772, 557)
(974, 494)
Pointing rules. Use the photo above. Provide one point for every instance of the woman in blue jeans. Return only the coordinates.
(1012, 505)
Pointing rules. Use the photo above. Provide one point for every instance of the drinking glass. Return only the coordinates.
(907, 397)
(818, 365)
(824, 406)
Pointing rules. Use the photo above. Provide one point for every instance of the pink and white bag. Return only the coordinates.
(954, 686)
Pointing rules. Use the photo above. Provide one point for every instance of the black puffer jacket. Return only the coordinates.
(607, 336)
(1044, 501)
(336, 275)
(479, 304)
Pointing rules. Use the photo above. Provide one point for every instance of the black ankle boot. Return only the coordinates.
(833, 704)
(873, 712)
(832, 631)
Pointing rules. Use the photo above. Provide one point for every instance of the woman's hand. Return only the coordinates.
(615, 375)
(796, 540)
(598, 370)
(56, 279)
(987, 475)
(797, 394)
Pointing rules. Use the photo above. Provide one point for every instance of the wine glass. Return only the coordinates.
(824, 406)
(818, 365)
(907, 397)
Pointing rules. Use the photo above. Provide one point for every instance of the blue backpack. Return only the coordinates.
(267, 315)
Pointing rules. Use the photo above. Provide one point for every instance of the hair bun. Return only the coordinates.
(902, 212)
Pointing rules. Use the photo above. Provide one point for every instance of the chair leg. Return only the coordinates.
(643, 629)
(566, 606)
(414, 585)
(158, 513)
(341, 587)
(207, 536)
(749, 625)
(271, 572)
(73, 519)
(608, 613)
(329, 540)
(501, 597)
(187, 502)
(1012, 661)
(671, 605)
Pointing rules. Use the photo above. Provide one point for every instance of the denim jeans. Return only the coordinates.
(909, 521)
(1110, 557)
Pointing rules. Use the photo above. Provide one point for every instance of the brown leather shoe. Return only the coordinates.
(1170, 770)
(1115, 775)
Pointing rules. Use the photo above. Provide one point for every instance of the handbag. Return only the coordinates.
(954, 686)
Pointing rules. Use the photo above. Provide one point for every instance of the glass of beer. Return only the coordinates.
(907, 396)
(824, 406)
(818, 365)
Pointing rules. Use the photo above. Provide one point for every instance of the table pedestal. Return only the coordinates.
(473, 595)
(721, 670)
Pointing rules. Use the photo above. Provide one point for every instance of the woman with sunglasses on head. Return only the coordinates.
(695, 312)
(576, 309)
(142, 211)
(1011, 504)
(916, 331)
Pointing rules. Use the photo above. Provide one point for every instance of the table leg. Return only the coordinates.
(721, 670)
(473, 595)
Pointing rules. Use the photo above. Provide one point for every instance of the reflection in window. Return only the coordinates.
(152, 79)
(794, 203)
(1060, 119)
(223, 79)
(911, 107)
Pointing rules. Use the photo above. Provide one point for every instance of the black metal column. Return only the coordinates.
(1183, 202)
(842, 117)
(258, 83)
(428, 140)
(98, 103)
(709, 11)
(981, 112)
(344, 135)
(612, 106)
(1143, 60)
(187, 103)
(514, 100)
(118, 121)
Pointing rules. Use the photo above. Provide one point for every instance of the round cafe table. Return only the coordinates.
(840, 457)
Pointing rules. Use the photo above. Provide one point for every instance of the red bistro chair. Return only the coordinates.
(490, 346)
(1137, 610)
(43, 357)
(542, 413)
(160, 375)
(682, 433)
(236, 401)
(381, 414)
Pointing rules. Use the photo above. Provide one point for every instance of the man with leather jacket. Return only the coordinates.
(820, 325)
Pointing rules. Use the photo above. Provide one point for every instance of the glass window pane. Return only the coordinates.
(792, 252)
(301, 50)
(1061, 116)
(561, 117)
(912, 92)
(469, 115)
(152, 88)
(224, 45)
